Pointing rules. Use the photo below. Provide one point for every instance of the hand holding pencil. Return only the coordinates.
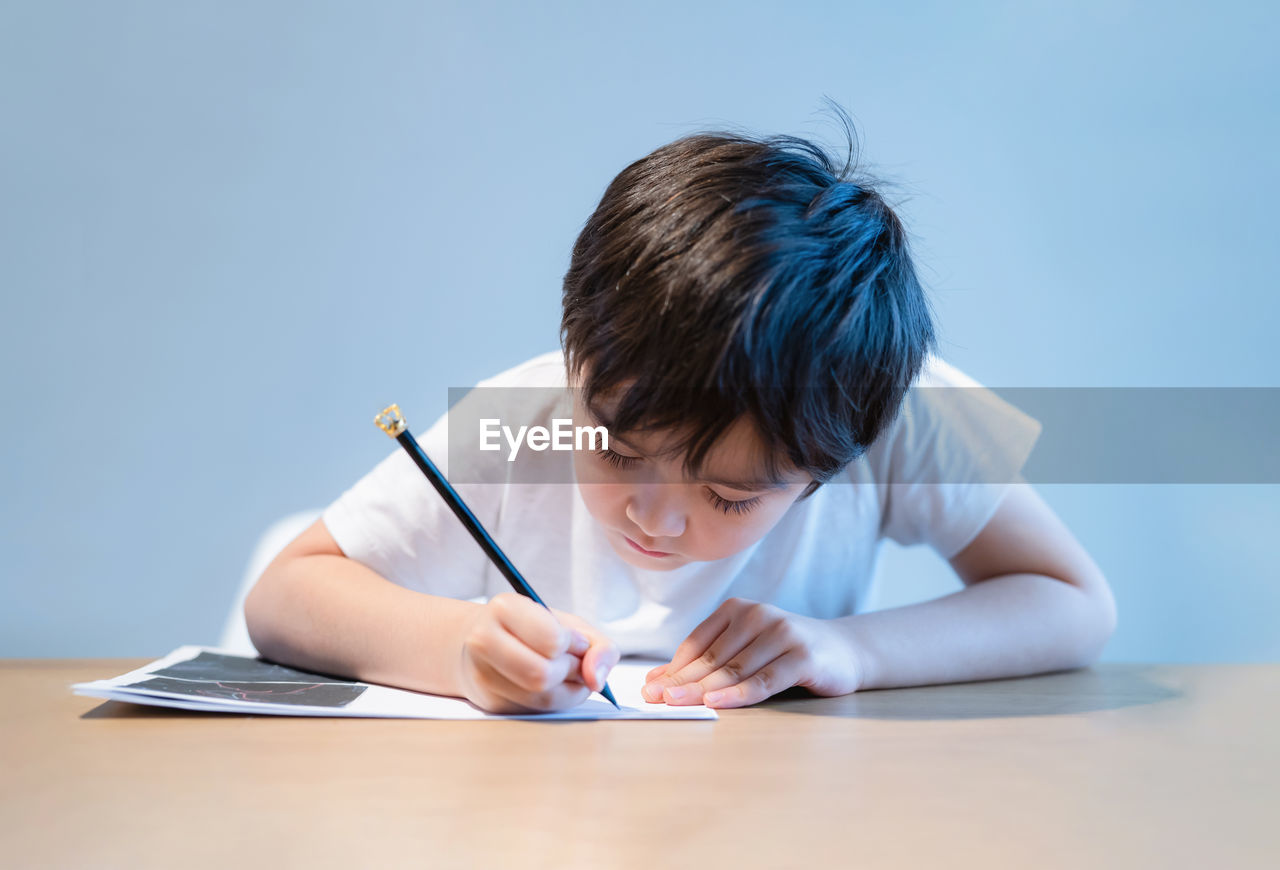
(518, 655)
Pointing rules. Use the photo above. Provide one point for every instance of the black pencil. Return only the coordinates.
(393, 423)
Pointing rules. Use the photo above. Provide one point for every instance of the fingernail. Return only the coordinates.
(652, 692)
(600, 675)
(711, 697)
(579, 640)
(680, 693)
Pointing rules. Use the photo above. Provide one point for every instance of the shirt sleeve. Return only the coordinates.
(948, 459)
(394, 522)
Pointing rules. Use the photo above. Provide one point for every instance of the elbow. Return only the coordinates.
(258, 615)
(1098, 620)
(253, 615)
(1105, 610)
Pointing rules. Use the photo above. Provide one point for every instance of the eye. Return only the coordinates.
(729, 506)
(617, 460)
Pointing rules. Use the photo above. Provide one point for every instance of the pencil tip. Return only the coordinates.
(604, 690)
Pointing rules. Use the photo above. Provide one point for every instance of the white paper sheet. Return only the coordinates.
(212, 680)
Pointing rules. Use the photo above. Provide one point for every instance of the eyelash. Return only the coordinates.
(729, 506)
(724, 505)
(617, 460)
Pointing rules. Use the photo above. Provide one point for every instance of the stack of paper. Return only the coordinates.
(202, 678)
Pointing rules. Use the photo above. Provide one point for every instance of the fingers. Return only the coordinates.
(600, 656)
(758, 654)
(702, 637)
(597, 664)
(534, 624)
(523, 666)
(517, 652)
(782, 673)
(501, 695)
(534, 650)
(697, 658)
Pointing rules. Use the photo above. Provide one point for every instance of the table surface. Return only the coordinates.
(1113, 766)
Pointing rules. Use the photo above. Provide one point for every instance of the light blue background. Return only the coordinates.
(230, 232)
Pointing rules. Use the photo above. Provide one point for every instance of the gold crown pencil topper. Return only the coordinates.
(391, 421)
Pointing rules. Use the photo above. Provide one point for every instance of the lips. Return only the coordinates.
(656, 554)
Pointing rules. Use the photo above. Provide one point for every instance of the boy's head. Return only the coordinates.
(738, 300)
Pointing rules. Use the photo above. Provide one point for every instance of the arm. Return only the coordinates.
(1033, 601)
(315, 609)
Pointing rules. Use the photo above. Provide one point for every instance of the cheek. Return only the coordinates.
(601, 497)
(726, 535)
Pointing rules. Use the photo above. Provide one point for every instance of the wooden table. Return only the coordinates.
(1115, 766)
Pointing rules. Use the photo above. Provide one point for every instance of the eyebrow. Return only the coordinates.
(745, 485)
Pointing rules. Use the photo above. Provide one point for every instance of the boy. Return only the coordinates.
(744, 319)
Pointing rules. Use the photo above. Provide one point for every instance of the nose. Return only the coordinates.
(657, 510)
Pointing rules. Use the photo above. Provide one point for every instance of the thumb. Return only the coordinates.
(599, 661)
(599, 654)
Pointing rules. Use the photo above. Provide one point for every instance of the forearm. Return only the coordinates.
(1006, 626)
(334, 615)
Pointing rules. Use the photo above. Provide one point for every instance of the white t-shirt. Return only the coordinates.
(926, 480)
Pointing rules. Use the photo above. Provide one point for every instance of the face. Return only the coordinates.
(655, 518)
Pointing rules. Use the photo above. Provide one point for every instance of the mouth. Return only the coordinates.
(655, 554)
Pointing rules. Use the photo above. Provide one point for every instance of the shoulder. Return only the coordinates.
(528, 394)
(952, 429)
(947, 459)
(486, 425)
(544, 370)
(937, 372)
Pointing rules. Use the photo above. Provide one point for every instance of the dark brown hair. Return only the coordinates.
(725, 276)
